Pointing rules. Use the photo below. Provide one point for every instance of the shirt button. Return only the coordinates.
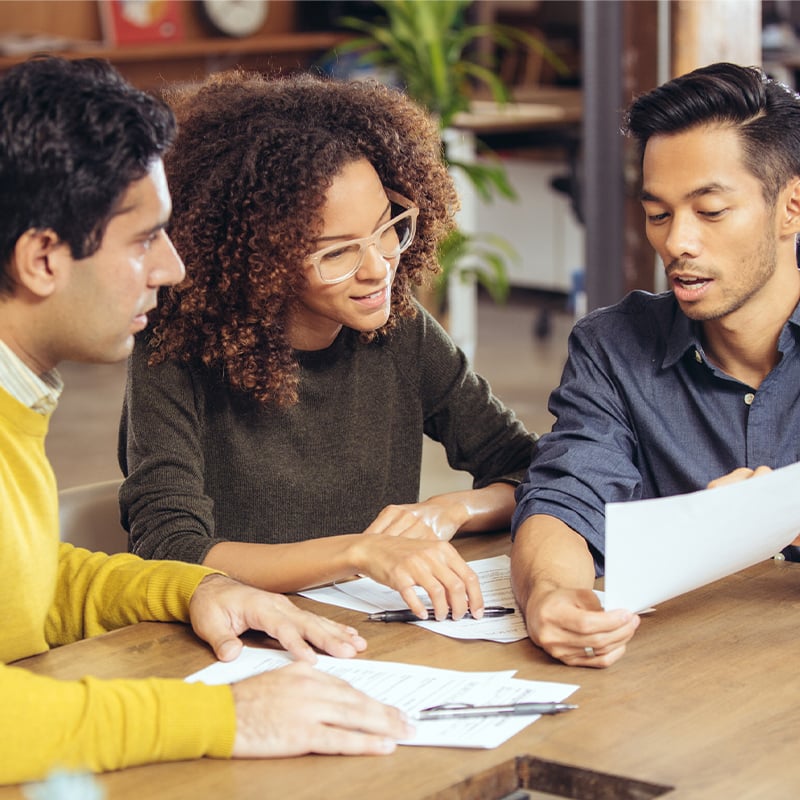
(697, 357)
(748, 398)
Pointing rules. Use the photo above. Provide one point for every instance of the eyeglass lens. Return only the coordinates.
(390, 240)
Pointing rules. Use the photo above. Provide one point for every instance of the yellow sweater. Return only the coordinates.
(53, 593)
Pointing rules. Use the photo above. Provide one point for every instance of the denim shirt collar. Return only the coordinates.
(684, 335)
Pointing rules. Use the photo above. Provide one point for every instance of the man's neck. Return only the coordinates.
(744, 344)
(19, 333)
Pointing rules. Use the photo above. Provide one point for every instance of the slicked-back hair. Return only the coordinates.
(764, 113)
(249, 172)
(73, 136)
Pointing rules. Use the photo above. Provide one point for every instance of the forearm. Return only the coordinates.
(547, 555)
(97, 593)
(288, 567)
(107, 724)
(399, 562)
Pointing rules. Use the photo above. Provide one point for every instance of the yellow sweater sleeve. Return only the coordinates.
(101, 725)
(96, 593)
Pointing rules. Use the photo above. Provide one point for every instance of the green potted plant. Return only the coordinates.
(431, 47)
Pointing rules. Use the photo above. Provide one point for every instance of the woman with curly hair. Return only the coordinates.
(275, 412)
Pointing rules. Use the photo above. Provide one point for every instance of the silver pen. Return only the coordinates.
(457, 710)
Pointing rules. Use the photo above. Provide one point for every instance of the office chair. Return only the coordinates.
(89, 517)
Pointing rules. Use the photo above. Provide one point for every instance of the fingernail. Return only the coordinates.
(387, 746)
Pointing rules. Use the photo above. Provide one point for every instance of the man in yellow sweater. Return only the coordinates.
(83, 251)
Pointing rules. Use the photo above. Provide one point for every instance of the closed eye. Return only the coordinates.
(339, 252)
(712, 214)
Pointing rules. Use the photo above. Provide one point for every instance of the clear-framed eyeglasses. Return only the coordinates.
(340, 261)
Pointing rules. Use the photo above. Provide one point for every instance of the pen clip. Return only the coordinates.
(448, 707)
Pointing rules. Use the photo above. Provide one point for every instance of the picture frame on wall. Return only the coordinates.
(139, 22)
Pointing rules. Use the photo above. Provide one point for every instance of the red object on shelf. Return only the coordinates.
(128, 22)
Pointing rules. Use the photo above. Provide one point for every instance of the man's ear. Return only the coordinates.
(36, 262)
(789, 208)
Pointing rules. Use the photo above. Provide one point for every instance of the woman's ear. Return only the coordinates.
(36, 262)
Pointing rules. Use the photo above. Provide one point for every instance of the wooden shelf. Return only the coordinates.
(150, 66)
(199, 48)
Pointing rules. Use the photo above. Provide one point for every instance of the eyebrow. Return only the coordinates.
(700, 191)
(347, 237)
(159, 226)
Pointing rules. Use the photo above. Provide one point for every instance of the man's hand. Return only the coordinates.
(565, 622)
(297, 710)
(552, 572)
(403, 563)
(222, 608)
(740, 474)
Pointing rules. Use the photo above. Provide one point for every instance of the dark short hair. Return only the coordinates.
(764, 113)
(73, 136)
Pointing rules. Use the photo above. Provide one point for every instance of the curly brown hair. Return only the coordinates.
(248, 173)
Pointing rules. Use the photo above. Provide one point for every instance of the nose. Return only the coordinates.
(168, 268)
(373, 266)
(682, 237)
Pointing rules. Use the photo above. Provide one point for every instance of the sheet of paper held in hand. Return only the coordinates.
(412, 688)
(494, 574)
(658, 549)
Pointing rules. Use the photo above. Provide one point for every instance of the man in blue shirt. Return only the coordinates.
(662, 394)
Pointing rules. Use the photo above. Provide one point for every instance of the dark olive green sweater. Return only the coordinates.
(205, 465)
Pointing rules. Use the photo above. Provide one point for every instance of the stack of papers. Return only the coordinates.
(370, 596)
(412, 688)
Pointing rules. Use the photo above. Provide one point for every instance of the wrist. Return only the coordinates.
(356, 553)
(456, 514)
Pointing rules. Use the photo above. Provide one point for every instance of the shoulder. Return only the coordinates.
(635, 334)
(422, 351)
(638, 312)
(422, 329)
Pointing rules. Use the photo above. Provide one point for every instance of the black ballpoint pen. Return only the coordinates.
(457, 710)
(407, 615)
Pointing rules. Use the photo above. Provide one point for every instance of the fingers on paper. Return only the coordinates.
(297, 710)
(563, 626)
(450, 583)
(739, 474)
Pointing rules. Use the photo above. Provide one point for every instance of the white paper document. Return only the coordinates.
(494, 574)
(412, 688)
(658, 549)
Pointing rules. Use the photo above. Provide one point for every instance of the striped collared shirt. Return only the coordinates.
(38, 392)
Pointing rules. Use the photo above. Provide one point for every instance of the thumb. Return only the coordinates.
(227, 649)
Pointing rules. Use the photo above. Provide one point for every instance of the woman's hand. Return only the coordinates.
(403, 563)
(439, 518)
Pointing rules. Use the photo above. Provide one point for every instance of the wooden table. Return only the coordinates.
(703, 705)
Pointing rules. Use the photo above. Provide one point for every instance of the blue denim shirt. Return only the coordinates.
(641, 412)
